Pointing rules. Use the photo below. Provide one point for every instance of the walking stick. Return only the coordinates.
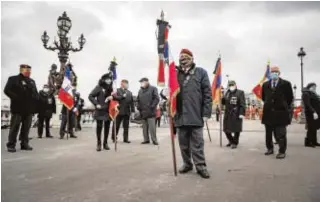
(208, 132)
(220, 121)
(173, 148)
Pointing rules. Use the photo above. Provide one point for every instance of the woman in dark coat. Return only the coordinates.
(311, 102)
(100, 97)
(235, 103)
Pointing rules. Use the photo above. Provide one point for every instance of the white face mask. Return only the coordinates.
(108, 81)
(313, 89)
(232, 88)
(45, 90)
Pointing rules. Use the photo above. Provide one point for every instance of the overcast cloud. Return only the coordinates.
(246, 33)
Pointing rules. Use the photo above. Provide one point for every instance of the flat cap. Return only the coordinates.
(25, 66)
(144, 79)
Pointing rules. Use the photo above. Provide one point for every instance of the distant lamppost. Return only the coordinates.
(294, 91)
(227, 79)
(64, 45)
(301, 54)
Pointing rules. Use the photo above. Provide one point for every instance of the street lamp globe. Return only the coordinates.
(45, 38)
(294, 87)
(301, 53)
(81, 40)
(64, 24)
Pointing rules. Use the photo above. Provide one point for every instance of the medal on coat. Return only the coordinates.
(23, 83)
(233, 100)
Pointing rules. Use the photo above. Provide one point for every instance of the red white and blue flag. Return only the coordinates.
(66, 91)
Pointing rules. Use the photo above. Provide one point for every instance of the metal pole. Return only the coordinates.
(302, 118)
(68, 122)
(220, 120)
(115, 134)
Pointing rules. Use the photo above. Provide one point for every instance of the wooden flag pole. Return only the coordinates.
(115, 134)
(208, 132)
(68, 122)
(173, 148)
(220, 121)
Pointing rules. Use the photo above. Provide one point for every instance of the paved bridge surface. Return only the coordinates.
(72, 171)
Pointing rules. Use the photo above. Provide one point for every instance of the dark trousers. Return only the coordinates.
(191, 143)
(125, 119)
(78, 122)
(233, 139)
(217, 117)
(16, 121)
(158, 120)
(280, 133)
(41, 122)
(64, 121)
(312, 136)
(99, 131)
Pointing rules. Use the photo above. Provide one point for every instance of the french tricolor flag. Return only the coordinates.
(65, 93)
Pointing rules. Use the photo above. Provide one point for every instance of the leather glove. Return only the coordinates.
(205, 119)
(315, 116)
(241, 117)
(98, 106)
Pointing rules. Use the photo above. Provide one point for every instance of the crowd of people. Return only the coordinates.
(194, 108)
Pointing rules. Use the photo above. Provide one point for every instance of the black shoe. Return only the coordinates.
(127, 141)
(61, 137)
(185, 169)
(145, 142)
(155, 143)
(233, 146)
(310, 145)
(106, 147)
(49, 136)
(11, 149)
(269, 152)
(281, 156)
(98, 147)
(317, 144)
(39, 137)
(228, 145)
(73, 136)
(203, 173)
(26, 147)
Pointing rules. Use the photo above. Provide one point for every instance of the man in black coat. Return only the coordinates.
(81, 105)
(277, 96)
(69, 116)
(311, 101)
(235, 103)
(47, 107)
(22, 91)
(194, 107)
(126, 110)
(148, 99)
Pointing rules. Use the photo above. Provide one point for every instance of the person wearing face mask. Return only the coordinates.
(194, 107)
(147, 100)
(23, 94)
(126, 109)
(235, 103)
(47, 107)
(277, 96)
(311, 102)
(100, 97)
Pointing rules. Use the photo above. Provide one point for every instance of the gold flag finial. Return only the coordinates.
(114, 59)
(269, 62)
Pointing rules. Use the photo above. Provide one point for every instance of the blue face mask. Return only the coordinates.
(274, 75)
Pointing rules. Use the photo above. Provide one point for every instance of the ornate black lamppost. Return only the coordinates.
(64, 45)
(301, 54)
